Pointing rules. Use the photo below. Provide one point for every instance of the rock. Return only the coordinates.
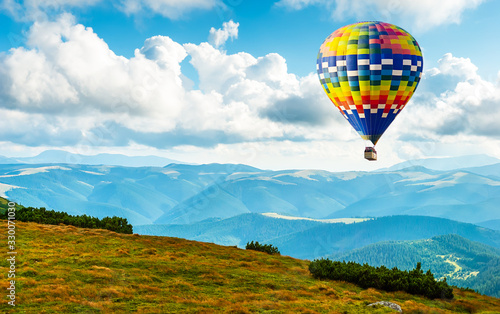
(391, 305)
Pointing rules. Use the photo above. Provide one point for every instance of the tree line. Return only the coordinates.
(52, 217)
(366, 276)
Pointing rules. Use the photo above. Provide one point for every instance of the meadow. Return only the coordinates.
(66, 269)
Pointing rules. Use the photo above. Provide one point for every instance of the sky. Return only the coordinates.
(234, 81)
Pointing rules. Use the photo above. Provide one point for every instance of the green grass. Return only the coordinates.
(4, 205)
(64, 269)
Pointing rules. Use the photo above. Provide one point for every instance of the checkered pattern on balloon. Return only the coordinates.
(369, 70)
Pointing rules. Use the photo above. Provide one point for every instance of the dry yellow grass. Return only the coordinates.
(63, 269)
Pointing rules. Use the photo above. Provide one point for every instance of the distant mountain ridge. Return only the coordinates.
(184, 194)
(60, 157)
(447, 163)
(63, 157)
(491, 224)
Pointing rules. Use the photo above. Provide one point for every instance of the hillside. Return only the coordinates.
(64, 269)
(464, 263)
(4, 204)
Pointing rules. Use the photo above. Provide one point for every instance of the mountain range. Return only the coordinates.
(446, 163)
(183, 194)
(63, 157)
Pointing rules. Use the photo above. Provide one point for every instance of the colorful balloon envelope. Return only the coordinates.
(370, 70)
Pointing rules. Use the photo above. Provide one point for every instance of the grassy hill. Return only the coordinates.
(64, 269)
(4, 204)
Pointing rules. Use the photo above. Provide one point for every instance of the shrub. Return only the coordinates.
(51, 217)
(268, 248)
(413, 282)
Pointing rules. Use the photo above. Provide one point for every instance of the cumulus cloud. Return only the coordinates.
(74, 88)
(423, 14)
(450, 71)
(298, 110)
(467, 109)
(67, 68)
(306, 107)
(218, 37)
(453, 66)
(67, 71)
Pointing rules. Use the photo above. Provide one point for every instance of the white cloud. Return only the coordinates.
(11, 6)
(463, 113)
(68, 68)
(298, 4)
(69, 80)
(216, 69)
(460, 67)
(33, 80)
(38, 10)
(218, 37)
(172, 9)
(166, 53)
(422, 15)
(59, 3)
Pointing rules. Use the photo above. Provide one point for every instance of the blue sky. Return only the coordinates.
(234, 81)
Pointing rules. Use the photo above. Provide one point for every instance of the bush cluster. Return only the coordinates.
(366, 276)
(51, 217)
(268, 248)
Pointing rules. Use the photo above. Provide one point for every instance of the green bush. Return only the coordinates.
(413, 282)
(51, 217)
(268, 248)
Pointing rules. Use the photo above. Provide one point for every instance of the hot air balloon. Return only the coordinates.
(370, 70)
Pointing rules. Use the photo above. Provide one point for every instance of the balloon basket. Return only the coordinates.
(370, 153)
